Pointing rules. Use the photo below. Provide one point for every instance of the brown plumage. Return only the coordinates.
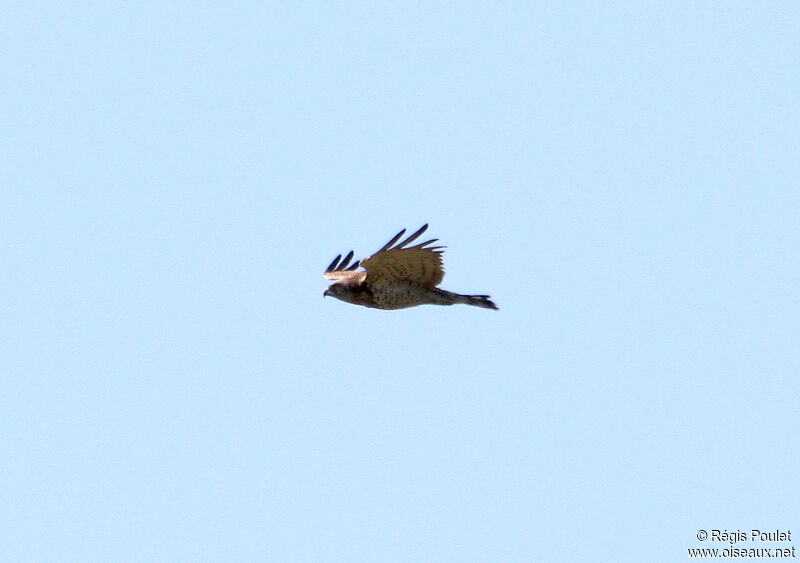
(396, 277)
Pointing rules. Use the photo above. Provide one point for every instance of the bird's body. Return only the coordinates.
(397, 277)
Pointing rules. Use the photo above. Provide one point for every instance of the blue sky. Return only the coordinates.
(622, 179)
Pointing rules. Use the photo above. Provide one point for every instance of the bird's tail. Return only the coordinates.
(478, 301)
(444, 297)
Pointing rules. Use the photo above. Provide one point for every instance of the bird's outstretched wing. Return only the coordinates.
(420, 264)
(341, 272)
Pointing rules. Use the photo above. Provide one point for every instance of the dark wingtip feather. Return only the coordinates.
(395, 238)
(414, 236)
(427, 242)
(346, 261)
(334, 263)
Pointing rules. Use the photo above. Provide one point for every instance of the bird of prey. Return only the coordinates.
(396, 277)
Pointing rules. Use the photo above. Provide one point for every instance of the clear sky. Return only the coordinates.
(622, 178)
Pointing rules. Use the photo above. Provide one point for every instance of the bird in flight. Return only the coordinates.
(396, 277)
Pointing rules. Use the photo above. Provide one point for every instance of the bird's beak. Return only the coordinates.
(325, 293)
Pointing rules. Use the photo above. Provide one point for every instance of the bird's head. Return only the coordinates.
(358, 294)
(336, 290)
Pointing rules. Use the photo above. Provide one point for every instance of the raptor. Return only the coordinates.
(396, 277)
